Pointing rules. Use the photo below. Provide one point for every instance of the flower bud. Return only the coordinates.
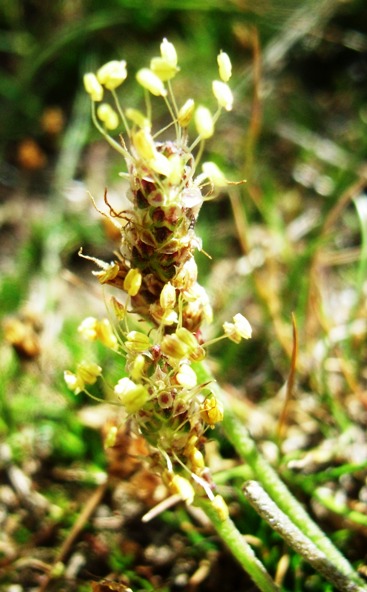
(198, 303)
(177, 167)
(132, 396)
(183, 487)
(137, 367)
(73, 382)
(108, 273)
(163, 316)
(223, 94)
(93, 329)
(173, 347)
(242, 325)
(106, 334)
(195, 352)
(132, 282)
(186, 112)
(187, 337)
(150, 81)
(138, 118)
(167, 298)
(144, 144)
(112, 74)
(88, 372)
(93, 87)
(225, 66)
(186, 376)
(108, 116)
(187, 275)
(137, 342)
(214, 174)
(239, 329)
(161, 68)
(88, 328)
(204, 122)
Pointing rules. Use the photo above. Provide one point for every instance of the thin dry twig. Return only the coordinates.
(318, 262)
(83, 517)
(289, 384)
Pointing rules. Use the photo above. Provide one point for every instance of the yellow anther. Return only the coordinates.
(183, 487)
(177, 169)
(164, 316)
(163, 69)
(132, 282)
(137, 367)
(146, 149)
(88, 328)
(161, 164)
(223, 94)
(73, 382)
(88, 372)
(138, 118)
(132, 396)
(194, 351)
(204, 122)
(225, 66)
(112, 74)
(197, 459)
(144, 144)
(187, 275)
(108, 273)
(93, 329)
(168, 52)
(186, 112)
(137, 342)
(150, 81)
(93, 87)
(211, 410)
(108, 116)
(214, 174)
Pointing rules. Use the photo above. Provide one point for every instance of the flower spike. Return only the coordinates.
(159, 318)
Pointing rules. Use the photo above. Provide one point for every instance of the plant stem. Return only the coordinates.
(295, 538)
(273, 485)
(239, 547)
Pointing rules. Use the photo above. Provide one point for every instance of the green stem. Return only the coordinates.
(295, 538)
(273, 485)
(360, 204)
(239, 547)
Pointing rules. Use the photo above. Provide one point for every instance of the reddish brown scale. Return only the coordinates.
(141, 200)
(156, 352)
(199, 336)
